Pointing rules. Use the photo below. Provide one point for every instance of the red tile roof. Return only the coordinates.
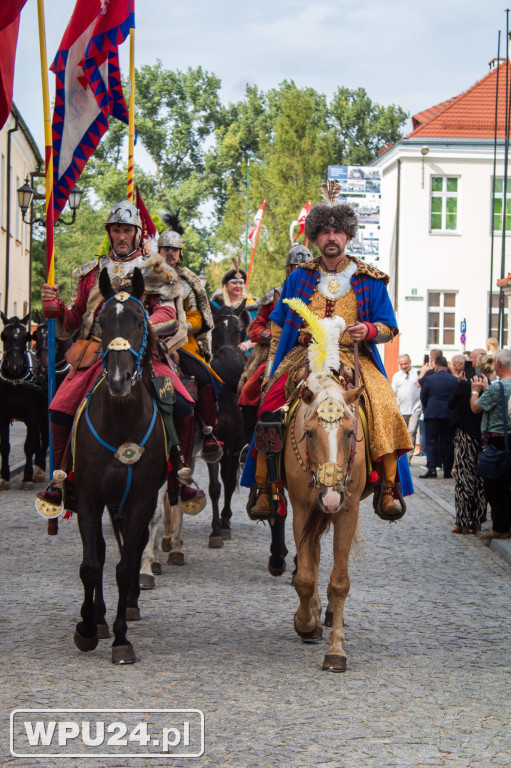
(469, 115)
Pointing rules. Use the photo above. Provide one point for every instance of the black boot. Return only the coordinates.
(193, 500)
(211, 448)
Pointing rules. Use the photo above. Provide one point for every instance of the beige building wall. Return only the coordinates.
(14, 233)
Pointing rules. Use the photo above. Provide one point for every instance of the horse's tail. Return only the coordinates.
(318, 522)
(116, 528)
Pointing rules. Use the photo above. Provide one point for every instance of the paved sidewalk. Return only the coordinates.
(442, 493)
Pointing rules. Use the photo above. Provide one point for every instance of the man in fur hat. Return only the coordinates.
(199, 322)
(337, 284)
(163, 292)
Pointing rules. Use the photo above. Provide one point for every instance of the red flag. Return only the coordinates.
(300, 222)
(257, 224)
(9, 25)
(88, 87)
(149, 231)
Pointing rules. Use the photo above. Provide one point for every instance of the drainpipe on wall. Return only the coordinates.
(8, 217)
(398, 209)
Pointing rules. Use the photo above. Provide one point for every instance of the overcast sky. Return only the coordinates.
(404, 52)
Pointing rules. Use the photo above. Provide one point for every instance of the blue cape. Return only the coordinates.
(374, 307)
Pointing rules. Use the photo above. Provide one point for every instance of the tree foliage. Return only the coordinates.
(201, 151)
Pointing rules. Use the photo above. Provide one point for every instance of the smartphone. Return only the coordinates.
(477, 370)
(426, 359)
(468, 365)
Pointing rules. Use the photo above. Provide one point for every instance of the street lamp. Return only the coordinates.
(26, 197)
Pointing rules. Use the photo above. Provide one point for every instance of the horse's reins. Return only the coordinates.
(119, 344)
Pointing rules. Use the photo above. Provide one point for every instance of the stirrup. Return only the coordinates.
(395, 488)
(212, 452)
(50, 503)
(195, 503)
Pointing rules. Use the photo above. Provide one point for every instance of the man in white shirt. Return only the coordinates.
(404, 384)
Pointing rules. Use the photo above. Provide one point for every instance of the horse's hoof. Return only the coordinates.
(329, 618)
(132, 614)
(85, 643)
(27, 485)
(103, 631)
(4, 485)
(314, 636)
(146, 581)
(215, 542)
(226, 534)
(39, 475)
(123, 654)
(156, 568)
(176, 558)
(334, 663)
(165, 544)
(276, 570)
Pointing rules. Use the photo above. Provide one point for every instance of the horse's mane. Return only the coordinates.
(152, 345)
(229, 362)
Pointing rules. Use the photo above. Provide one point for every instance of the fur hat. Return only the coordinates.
(160, 278)
(330, 213)
(234, 274)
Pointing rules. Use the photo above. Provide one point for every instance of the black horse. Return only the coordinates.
(119, 463)
(22, 398)
(228, 361)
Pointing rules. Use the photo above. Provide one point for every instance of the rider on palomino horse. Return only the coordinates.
(199, 322)
(259, 332)
(163, 290)
(338, 284)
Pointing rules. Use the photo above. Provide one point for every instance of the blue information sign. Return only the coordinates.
(463, 326)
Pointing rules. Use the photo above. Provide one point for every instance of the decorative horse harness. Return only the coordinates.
(127, 453)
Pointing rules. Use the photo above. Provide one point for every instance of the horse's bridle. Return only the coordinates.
(120, 344)
(29, 376)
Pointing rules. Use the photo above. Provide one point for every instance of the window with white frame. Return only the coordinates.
(444, 203)
(441, 318)
(498, 204)
(494, 331)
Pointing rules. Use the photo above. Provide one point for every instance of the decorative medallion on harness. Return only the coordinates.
(329, 474)
(330, 411)
(122, 296)
(118, 344)
(129, 453)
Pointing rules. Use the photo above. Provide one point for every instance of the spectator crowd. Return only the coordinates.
(452, 410)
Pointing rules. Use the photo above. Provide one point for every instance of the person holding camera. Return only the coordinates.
(493, 399)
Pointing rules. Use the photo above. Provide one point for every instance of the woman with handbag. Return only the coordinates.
(495, 459)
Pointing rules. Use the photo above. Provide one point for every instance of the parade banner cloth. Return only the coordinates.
(300, 222)
(252, 238)
(89, 87)
(149, 231)
(9, 25)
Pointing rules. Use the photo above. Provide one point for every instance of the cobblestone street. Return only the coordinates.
(428, 680)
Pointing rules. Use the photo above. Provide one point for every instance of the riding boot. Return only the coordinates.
(385, 504)
(185, 432)
(60, 437)
(211, 448)
(262, 507)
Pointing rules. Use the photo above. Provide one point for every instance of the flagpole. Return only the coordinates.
(50, 251)
(131, 141)
(246, 220)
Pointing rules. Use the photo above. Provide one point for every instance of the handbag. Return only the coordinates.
(83, 354)
(494, 464)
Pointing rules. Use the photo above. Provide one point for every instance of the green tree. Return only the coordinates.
(362, 126)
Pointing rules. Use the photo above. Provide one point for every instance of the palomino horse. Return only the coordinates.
(325, 478)
(119, 463)
(21, 398)
(230, 329)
